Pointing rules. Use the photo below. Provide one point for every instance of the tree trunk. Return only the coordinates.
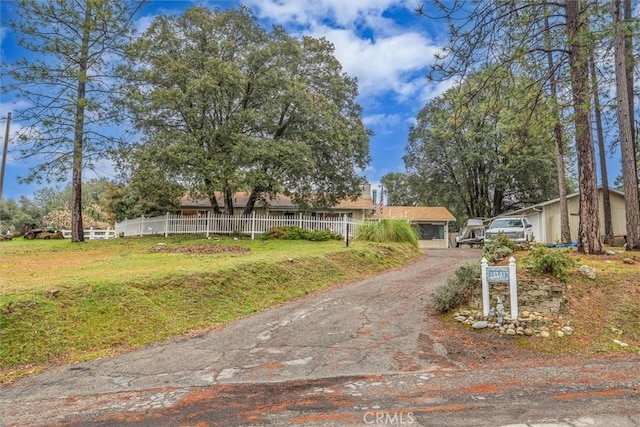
(565, 231)
(629, 171)
(77, 227)
(251, 203)
(630, 62)
(228, 201)
(606, 200)
(589, 229)
(215, 208)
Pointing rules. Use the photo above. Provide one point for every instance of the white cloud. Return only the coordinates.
(384, 55)
(307, 13)
(396, 63)
(381, 119)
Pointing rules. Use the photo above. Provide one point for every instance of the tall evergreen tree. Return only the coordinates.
(65, 83)
(629, 170)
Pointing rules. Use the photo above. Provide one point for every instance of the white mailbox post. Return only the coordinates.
(499, 274)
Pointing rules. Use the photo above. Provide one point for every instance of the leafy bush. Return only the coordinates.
(498, 248)
(554, 262)
(297, 233)
(457, 289)
(388, 230)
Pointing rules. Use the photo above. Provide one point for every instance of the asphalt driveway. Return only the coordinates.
(359, 354)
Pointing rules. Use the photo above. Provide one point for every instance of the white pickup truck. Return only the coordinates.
(517, 229)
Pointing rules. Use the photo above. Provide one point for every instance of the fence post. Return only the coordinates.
(485, 287)
(142, 225)
(91, 233)
(166, 226)
(208, 223)
(253, 225)
(345, 229)
(513, 288)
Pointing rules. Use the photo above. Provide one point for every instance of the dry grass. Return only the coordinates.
(601, 310)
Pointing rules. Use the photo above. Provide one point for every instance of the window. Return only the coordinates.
(430, 231)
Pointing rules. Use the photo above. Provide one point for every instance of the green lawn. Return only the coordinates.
(62, 302)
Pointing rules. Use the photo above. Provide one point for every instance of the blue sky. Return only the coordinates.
(381, 42)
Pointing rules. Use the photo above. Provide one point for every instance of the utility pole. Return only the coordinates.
(4, 153)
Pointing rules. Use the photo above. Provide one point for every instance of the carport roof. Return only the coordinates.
(417, 213)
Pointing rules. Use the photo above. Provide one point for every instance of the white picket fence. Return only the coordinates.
(252, 225)
(92, 234)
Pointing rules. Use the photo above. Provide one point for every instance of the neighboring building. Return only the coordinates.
(283, 206)
(545, 217)
(432, 223)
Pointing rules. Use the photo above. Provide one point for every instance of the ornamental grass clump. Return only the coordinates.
(388, 230)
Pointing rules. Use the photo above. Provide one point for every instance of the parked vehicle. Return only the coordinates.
(518, 229)
(29, 231)
(472, 233)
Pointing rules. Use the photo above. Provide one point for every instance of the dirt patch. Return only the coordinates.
(201, 249)
(474, 348)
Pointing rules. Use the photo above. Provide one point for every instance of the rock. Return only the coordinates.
(480, 324)
(628, 261)
(621, 344)
(610, 252)
(559, 334)
(511, 331)
(460, 318)
(567, 330)
(544, 334)
(528, 332)
(585, 270)
(616, 330)
(525, 314)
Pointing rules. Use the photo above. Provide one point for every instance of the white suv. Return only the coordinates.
(515, 228)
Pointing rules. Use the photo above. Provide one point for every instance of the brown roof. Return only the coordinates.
(417, 213)
(280, 202)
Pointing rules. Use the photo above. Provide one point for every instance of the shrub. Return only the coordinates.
(297, 233)
(457, 289)
(498, 248)
(554, 262)
(388, 230)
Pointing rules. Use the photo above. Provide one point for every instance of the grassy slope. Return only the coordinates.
(600, 310)
(61, 302)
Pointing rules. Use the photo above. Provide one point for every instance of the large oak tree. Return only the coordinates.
(481, 151)
(229, 107)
